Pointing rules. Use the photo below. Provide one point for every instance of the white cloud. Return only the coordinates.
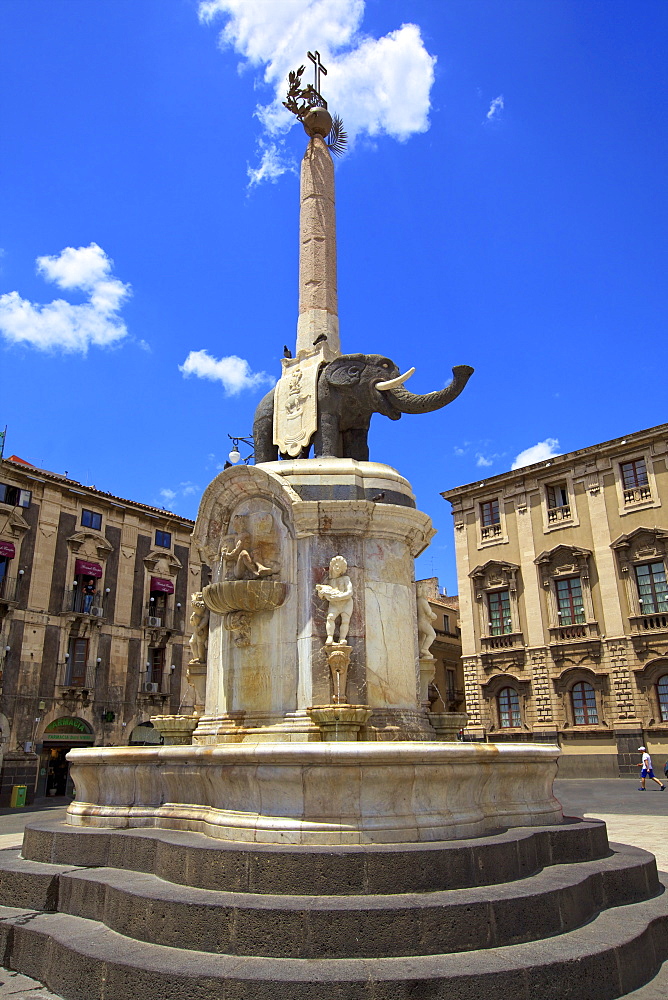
(234, 373)
(377, 85)
(60, 325)
(273, 164)
(495, 108)
(548, 448)
(170, 497)
(483, 462)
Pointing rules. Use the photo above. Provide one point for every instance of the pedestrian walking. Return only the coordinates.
(647, 772)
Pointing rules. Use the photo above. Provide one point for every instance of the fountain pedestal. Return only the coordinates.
(338, 723)
(268, 655)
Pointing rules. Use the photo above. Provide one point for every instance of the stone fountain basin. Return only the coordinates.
(318, 793)
(244, 595)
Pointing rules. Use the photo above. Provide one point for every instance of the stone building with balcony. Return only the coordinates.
(564, 603)
(94, 608)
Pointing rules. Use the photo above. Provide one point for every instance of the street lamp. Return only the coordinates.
(235, 455)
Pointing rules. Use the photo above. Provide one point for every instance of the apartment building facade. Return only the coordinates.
(564, 603)
(94, 608)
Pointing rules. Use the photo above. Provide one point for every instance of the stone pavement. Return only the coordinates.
(18, 987)
(632, 817)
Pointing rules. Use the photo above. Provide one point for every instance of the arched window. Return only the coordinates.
(585, 712)
(662, 692)
(509, 708)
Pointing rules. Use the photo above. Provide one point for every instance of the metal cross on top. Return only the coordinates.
(319, 68)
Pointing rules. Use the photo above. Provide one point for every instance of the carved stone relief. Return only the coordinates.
(295, 404)
(425, 617)
(199, 619)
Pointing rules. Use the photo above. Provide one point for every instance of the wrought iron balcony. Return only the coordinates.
(9, 589)
(77, 602)
(637, 495)
(555, 514)
(159, 618)
(150, 688)
(74, 677)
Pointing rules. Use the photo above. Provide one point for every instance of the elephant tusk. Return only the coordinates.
(394, 382)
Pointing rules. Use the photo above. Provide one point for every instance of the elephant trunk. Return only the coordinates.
(410, 402)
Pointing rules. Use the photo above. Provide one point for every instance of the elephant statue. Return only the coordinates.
(350, 390)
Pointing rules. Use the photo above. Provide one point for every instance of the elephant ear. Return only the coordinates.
(343, 372)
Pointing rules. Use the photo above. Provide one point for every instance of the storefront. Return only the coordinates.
(61, 736)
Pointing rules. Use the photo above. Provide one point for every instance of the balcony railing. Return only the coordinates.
(511, 640)
(159, 617)
(637, 494)
(649, 623)
(9, 589)
(149, 687)
(574, 633)
(559, 513)
(72, 677)
(490, 531)
(77, 603)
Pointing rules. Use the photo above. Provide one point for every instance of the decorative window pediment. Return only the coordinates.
(563, 560)
(494, 574)
(640, 545)
(651, 672)
(573, 674)
(499, 681)
(160, 562)
(495, 588)
(15, 525)
(89, 544)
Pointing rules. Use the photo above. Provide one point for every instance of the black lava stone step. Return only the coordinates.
(196, 860)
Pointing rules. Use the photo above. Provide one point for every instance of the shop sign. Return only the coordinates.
(161, 586)
(67, 729)
(84, 568)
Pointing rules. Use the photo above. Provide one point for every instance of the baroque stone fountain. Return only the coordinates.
(316, 838)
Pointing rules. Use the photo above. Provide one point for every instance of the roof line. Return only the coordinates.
(72, 483)
(554, 460)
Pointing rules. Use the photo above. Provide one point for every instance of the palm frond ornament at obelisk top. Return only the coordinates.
(308, 104)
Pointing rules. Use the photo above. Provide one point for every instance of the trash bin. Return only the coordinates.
(18, 798)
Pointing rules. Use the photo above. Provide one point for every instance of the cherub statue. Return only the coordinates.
(199, 619)
(339, 592)
(245, 566)
(425, 616)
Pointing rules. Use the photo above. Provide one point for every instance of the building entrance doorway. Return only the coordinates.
(59, 738)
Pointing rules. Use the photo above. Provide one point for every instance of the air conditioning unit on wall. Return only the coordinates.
(154, 622)
(151, 687)
(96, 612)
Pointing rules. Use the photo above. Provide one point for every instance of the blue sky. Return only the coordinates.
(503, 205)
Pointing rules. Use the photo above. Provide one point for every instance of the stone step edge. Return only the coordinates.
(560, 899)
(153, 887)
(612, 955)
(50, 842)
